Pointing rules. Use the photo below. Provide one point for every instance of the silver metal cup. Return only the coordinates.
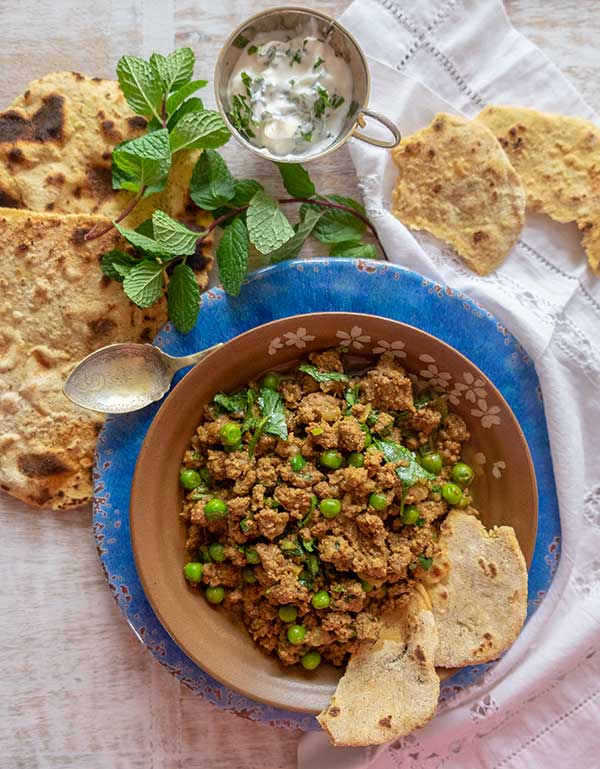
(290, 18)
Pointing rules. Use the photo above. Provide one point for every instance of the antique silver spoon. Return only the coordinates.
(125, 377)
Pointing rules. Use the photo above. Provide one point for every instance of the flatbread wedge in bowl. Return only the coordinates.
(390, 688)
(481, 604)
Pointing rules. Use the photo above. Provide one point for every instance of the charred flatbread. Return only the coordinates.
(558, 160)
(456, 182)
(55, 307)
(56, 142)
(480, 607)
(390, 688)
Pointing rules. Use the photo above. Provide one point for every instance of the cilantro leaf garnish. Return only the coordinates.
(323, 376)
(409, 473)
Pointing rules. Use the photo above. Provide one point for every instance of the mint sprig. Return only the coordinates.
(164, 250)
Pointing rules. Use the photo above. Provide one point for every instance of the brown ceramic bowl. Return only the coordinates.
(505, 494)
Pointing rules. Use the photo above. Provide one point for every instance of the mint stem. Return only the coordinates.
(340, 207)
(163, 111)
(311, 201)
(91, 235)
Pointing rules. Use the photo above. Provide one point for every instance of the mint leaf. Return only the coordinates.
(268, 227)
(142, 162)
(116, 264)
(212, 184)
(232, 256)
(410, 473)
(245, 189)
(181, 94)
(146, 228)
(199, 130)
(354, 250)
(291, 248)
(323, 376)
(191, 105)
(140, 84)
(174, 237)
(144, 283)
(273, 411)
(174, 70)
(296, 180)
(337, 226)
(141, 242)
(183, 298)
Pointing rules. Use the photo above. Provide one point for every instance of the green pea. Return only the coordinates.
(296, 634)
(378, 501)
(321, 599)
(356, 459)
(297, 462)
(287, 613)
(252, 556)
(410, 515)
(331, 459)
(215, 509)
(231, 434)
(462, 474)
(451, 493)
(248, 575)
(189, 478)
(311, 660)
(432, 462)
(271, 381)
(217, 552)
(215, 594)
(330, 507)
(193, 572)
(366, 586)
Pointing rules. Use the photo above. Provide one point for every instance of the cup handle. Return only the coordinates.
(384, 121)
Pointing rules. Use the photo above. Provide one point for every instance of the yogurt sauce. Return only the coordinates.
(290, 96)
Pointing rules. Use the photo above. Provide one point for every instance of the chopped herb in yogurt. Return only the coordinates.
(287, 93)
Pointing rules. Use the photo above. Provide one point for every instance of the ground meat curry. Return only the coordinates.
(313, 501)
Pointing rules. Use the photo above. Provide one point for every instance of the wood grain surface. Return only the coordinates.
(77, 689)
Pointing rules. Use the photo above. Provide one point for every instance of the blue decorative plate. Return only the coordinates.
(297, 287)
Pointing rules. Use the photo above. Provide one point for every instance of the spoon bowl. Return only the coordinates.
(125, 377)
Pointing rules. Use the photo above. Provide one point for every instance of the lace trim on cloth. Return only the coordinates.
(488, 717)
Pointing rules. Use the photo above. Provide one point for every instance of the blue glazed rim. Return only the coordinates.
(303, 286)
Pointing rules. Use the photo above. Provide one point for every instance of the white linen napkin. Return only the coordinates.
(540, 705)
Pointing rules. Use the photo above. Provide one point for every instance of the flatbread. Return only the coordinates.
(390, 688)
(56, 142)
(480, 607)
(55, 308)
(455, 182)
(558, 160)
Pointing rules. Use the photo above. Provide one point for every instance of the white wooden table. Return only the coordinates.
(77, 689)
